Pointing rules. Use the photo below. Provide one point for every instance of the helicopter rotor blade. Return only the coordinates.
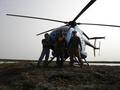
(98, 24)
(44, 32)
(36, 18)
(84, 9)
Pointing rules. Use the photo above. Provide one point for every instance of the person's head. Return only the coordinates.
(74, 33)
(46, 36)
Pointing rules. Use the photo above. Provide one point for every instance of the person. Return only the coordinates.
(60, 47)
(46, 49)
(74, 46)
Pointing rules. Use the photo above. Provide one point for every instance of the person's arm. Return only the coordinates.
(42, 41)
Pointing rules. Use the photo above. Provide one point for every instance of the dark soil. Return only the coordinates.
(26, 76)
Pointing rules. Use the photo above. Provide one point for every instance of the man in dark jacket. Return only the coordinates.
(74, 48)
(46, 49)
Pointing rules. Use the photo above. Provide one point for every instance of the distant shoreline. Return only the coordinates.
(31, 61)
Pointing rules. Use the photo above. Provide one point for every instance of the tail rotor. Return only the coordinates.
(95, 48)
(99, 48)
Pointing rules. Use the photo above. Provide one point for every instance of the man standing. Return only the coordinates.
(46, 49)
(74, 48)
(60, 47)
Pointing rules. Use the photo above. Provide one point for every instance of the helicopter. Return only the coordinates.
(72, 26)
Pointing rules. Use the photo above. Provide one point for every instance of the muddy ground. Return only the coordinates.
(26, 76)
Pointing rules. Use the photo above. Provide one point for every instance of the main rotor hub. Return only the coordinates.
(72, 23)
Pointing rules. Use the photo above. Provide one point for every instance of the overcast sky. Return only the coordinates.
(18, 38)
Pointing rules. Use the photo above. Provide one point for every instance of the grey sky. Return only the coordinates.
(18, 38)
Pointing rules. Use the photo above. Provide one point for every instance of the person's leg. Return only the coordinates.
(71, 53)
(79, 57)
(58, 60)
(47, 52)
(41, 57)
(62, 60)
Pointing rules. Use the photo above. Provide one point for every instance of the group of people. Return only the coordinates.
(61, 48)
